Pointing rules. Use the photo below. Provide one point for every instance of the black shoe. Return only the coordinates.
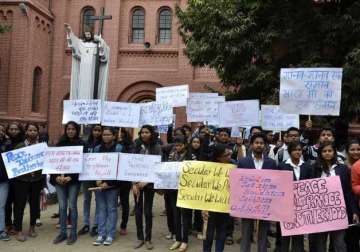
(85, 229)
(94, 231)
(71, 240)
(55, 216)
(60, 238)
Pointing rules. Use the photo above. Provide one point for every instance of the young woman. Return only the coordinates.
(106, 198)
(15, 133)
(67, 187)
(93, 141)
(27, 188)
(301, 171)
(327, 165)
(144, 192)
(4, 186)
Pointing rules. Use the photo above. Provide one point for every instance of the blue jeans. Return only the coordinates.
(106, 203)
(87, 208)
(65, 194)
(4, 189)
(216, 226)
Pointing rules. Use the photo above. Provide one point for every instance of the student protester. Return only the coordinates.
(188, 132)
(27, 187)
(253, 130)
(15, 132)
(68, 187)
(292, 136)
(106, 198)
(93, 141)
(146, 144)
(257, 160)
(4, 186)
(301, 171)
(327, 166)
(217, 222)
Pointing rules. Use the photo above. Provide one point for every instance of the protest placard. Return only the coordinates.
(137, 167)
(310, 91)
(236, 132)
(175, 96)
(319, 207)
(120, 114)
(272, 118)
(154, 113)
(82, 111)
(200, 109)
(99, 166)
(261, 194)
(63, 160)
(239, 113)
(167, 175)
(205, 186)
(202, 95)
(24, 160)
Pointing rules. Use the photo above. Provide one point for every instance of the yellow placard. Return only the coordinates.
(205, 186)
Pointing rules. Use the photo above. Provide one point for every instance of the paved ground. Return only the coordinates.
(47, 232)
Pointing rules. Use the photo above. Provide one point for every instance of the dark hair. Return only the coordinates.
(328, 129)
(91, 137)
(152, 132)
(31, 124)
(351, 142)
(292, 146)
(20, 137)
(218, 150)
(180, 140)
(64, 139)
(292, 129)
(257, 135)
(181, 129)
(111, 129)
(226, 130)
(256, 127)
(320, 164)
(185, 126)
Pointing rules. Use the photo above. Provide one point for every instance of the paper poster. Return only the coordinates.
(155, 114)
(82, 111)
(99, 166)
(175, 96)
(200, 109)
(120, 114)
(239, 113)
(272, 118)
(63, 160)
(167, 175)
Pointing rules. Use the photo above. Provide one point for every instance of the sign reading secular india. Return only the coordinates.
(310, 91)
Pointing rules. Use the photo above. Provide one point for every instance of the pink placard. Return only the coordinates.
(319, 207)
(261, 194)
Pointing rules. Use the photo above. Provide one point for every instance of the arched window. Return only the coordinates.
(165, 18)
(138, 25)
(36, 89)
(87, 25)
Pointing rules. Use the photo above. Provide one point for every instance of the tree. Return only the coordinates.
(4, 28)
(248, 41)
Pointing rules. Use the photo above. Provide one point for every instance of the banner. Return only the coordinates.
(99, 166)
(239, 113)
(272, 118)
(167, 175)
(82, 111)
(310, 91)
(120, 114)
(25, 160)
(200, 109)
(137, 167)
(261, 194)
(155, 114)
(205, 186)
(319, 207)
(175, 96)
(63, 160)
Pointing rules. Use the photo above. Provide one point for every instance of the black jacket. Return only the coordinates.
(305, 170)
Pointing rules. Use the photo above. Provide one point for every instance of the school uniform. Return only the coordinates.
(247, 225)
(301, 171)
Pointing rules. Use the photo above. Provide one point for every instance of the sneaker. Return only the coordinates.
(38, 223)
(59, 238)
(108, 241)
(123, 232)
(84, 230)
(169, 236)
(183, 247)
(149, 245)
(99, 240)
(176, 245)
(71, 240)
(138, 244)
(94, 231)
(4, 236)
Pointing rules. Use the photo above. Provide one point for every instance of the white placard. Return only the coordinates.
(24, 160)
(120, 114)
(154, 113)
(99, 166)
(236, 132)
(272, 118)
(137, 167)
(310, 91)
(239, 113)
(82, 111)
(202, 95)
(63, 160)
(167, 175)
(204, 109)
(175, 96)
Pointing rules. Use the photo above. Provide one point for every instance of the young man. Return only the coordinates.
(292, 136)
(257, 160)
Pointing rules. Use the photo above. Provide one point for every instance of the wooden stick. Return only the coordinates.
(280, 135)
(99, 188)
(309, 117)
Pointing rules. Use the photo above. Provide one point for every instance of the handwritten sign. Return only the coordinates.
(25, 160)
(100, 166)
(154, 113)
(82, 111)
(202, 95)
(120, 114)
(205, 186)
(63, 160)
(137, 167)
(272, 118)
(167, 175)
(310, 91)
(175, 96)
(237, 132)
(261, 194)
(239, 113)
(200, 109)
(319, 207)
